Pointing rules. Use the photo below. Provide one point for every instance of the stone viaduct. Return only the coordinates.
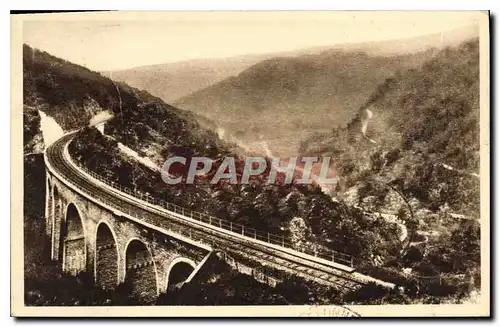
(87, 237)
(119, 238)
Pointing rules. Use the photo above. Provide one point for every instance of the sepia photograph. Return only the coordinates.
(294, 163)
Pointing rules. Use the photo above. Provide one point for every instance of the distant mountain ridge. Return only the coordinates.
(280, 99)
(451, 38)
(175, 80)
(172, 81)
(285, 99)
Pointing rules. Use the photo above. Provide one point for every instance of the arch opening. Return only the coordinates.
(56, 224)
(179, 271)
(140, 274)
(73, 242)
(106, 257)
(48, 209)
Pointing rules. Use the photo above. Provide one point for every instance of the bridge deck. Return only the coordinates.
(213, 237)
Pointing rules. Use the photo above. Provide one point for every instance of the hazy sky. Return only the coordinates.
(116, 40)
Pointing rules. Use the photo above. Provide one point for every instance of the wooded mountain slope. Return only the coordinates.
(426, 128)
(285, 98)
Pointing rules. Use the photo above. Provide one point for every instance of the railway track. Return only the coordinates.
(282, 260)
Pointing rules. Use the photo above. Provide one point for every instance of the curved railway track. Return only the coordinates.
(149, 214)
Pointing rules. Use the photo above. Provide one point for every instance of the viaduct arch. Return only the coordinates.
(179, 271)
(141, 276)
(88, 237)
(106, 257)
(72, 246)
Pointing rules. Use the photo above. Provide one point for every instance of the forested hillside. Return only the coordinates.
(70, 93)
(425, 127)
(418, 161)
